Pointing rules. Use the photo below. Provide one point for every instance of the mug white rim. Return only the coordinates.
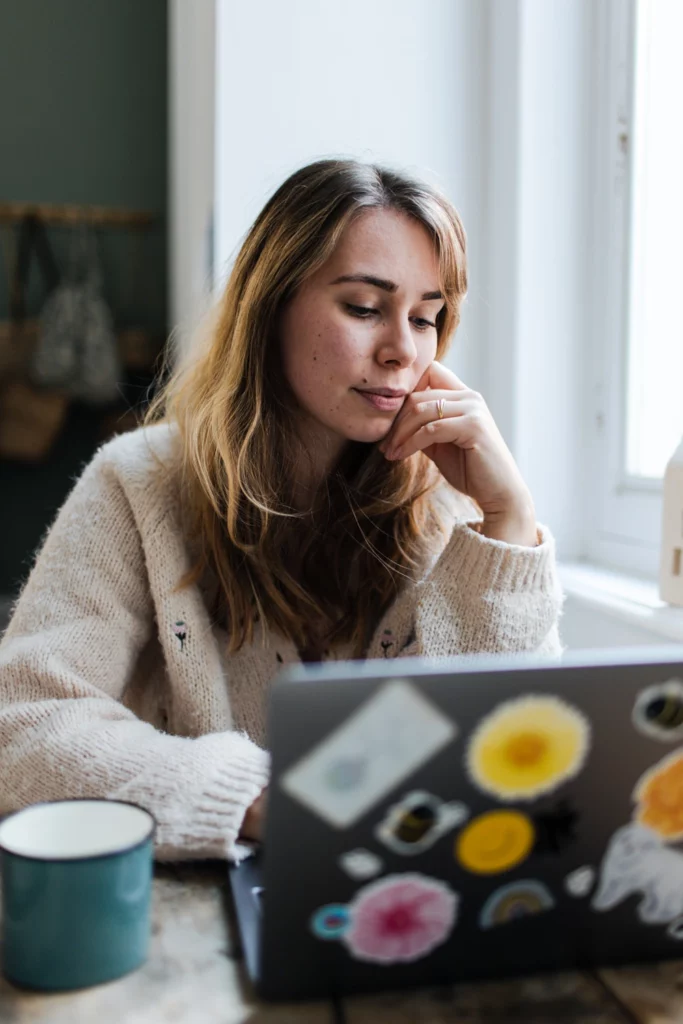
(98, 850)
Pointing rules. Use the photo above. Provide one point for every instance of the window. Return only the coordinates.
(654, 408)
(636, 345)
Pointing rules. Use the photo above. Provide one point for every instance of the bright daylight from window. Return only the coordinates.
(655, 356)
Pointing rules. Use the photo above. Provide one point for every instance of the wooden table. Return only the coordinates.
(194, 976)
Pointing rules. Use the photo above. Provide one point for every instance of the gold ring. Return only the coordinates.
(439, 407)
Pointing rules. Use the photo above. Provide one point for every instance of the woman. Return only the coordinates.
(311, 484)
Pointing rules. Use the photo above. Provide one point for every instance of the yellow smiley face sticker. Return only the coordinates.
(495, 842)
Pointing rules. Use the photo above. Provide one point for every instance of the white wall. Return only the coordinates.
(387, 80)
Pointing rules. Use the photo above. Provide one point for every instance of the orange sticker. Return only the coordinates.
(659, 795)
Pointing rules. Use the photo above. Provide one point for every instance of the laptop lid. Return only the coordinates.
(438, 821)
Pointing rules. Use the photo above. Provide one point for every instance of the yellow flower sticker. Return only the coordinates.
(495, 842)
(659, 794)
(527, 747)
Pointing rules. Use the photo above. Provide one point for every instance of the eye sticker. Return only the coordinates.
(495, 842)
(579, 882)
(659, 797)
(515, 900)
(330, 922)
(383, 742)
(527, 747)
(417, 821)
(658, 711)
(675, 929)
(637, 861)
(360, 864)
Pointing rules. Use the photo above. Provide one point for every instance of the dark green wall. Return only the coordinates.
(83, 119)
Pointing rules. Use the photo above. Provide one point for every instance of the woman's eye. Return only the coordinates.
(360, 311)
(363, 312)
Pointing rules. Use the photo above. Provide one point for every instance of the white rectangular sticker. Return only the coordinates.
(382, 743)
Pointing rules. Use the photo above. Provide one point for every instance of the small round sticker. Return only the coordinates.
(495, 842)
(579, 882)
(330, 921)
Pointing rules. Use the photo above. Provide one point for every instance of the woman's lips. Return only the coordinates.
(383, 402)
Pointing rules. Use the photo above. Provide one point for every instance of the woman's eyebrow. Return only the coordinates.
(379, 282)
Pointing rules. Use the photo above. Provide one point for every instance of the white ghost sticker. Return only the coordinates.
(637, 861)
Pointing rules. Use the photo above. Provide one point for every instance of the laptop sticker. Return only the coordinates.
(675, 929)
(527, 747)
(495, 842)
(659, 797)
(417, 821)
(637, 861)
(515, 900)
(555, 828)
(658, 711)
(381, 744)
(579, 882)
(331, 921)
(400, 918)
(360, 864)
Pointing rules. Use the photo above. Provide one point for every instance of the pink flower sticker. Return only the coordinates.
(400, 918)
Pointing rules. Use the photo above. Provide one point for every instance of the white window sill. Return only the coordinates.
(623, 597)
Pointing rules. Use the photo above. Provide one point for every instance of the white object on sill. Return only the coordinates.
(671, 560)
(627, 598)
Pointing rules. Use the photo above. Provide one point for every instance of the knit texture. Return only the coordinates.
(114, 685)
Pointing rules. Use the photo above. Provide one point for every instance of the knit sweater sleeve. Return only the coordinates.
(481, 596)
(80, 623)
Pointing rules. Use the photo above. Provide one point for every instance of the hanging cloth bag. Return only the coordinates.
(77, 349)
(31, 419)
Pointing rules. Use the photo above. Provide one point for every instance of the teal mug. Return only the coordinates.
(76, 892)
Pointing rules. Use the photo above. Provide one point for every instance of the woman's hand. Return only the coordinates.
(252, 826)
(468, 449)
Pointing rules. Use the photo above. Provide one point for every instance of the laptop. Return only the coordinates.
(437, 821)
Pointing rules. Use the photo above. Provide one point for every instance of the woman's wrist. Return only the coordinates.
(511, 529)
(252, 825)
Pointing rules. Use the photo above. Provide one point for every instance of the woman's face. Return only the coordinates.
(352, 350)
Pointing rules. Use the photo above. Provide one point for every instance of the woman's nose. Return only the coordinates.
(398, 344)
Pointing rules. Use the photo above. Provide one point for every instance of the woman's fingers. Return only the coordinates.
(449, 430)
(423, 409)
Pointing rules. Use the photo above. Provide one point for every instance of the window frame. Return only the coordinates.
(622, 512)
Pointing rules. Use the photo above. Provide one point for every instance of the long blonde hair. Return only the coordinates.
(344, 561)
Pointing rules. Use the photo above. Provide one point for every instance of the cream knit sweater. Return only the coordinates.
(113, 685)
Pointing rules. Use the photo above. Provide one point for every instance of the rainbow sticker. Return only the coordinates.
(527, 747)
(495, 842)
(658, 711)
(659, 796)
(515, 900)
